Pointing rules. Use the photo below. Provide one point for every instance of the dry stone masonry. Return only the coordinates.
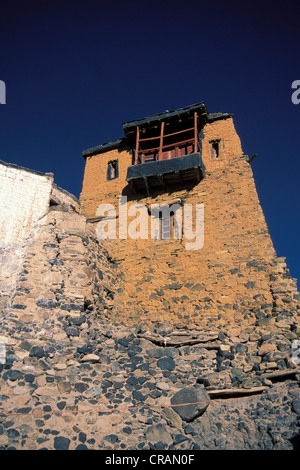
(141, 344)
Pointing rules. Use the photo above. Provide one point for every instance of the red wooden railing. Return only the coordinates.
(174, 146)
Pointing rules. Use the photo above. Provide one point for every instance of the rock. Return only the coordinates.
(13, 433)
(61, 443)
(266, 321)
(60, 366)
(127, 430)
(81, 387)
(162, 386)
(296, 405)
(12, 375)
(48, 390)
(64, 386)
(173, 418)
(93, 358)
(158, 433)
(155, 352)
(172, 352)
(82, 437)
(81, 447)
(111, 438)
(166, 363)
(47, 303)
(72, 331)
(93, 392)
(3, 440)
(29, 378)
(37, 351)
(195, 400)
(174, 286)
(266, 348)
(179, 438)
(138, 396)
(61, 404)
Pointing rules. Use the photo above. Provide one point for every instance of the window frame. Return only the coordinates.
(112, 165)
(215, 152)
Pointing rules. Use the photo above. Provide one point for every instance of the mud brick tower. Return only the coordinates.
(189, 156)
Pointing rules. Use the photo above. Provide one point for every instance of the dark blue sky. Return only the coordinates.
(76, 70)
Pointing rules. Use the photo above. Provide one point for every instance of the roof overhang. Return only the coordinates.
(168, 116)
(114, 144)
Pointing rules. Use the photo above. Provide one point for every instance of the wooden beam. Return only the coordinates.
(236, 392)
(184, 342)
(137, 145)
(252, 158)
(280, 374)
(198, 174)
(162, 181)
(179, 132)
(178, 143)
(195, 131)
(169, 145)
(168, 135)
(146, 186)
(161, 139)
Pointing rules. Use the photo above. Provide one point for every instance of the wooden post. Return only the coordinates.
(195, 132)
(161, 140)
(137, 145)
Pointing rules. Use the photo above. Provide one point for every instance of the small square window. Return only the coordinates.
(112, 170)
(215, 149)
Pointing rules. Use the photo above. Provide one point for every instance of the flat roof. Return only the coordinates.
(165, 114)
(129, 126)
(18, 167)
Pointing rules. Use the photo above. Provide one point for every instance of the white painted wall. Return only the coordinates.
(24, 199)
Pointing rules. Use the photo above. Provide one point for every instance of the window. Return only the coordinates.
(166, 222)
(215, 149)
(112, 170)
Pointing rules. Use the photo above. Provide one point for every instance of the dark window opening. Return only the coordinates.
(53, 203)
(112, 170)
(215, 149)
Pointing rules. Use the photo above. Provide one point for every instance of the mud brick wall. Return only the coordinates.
(235, 276)
(96, 189)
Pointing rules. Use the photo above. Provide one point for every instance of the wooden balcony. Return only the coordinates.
(166, 174)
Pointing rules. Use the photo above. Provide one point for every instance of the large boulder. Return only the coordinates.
(191, 402)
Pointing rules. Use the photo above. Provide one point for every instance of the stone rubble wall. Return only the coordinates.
(98, 385)
(65, 271)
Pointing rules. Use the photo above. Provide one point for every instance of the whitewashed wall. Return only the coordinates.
(24, 199)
